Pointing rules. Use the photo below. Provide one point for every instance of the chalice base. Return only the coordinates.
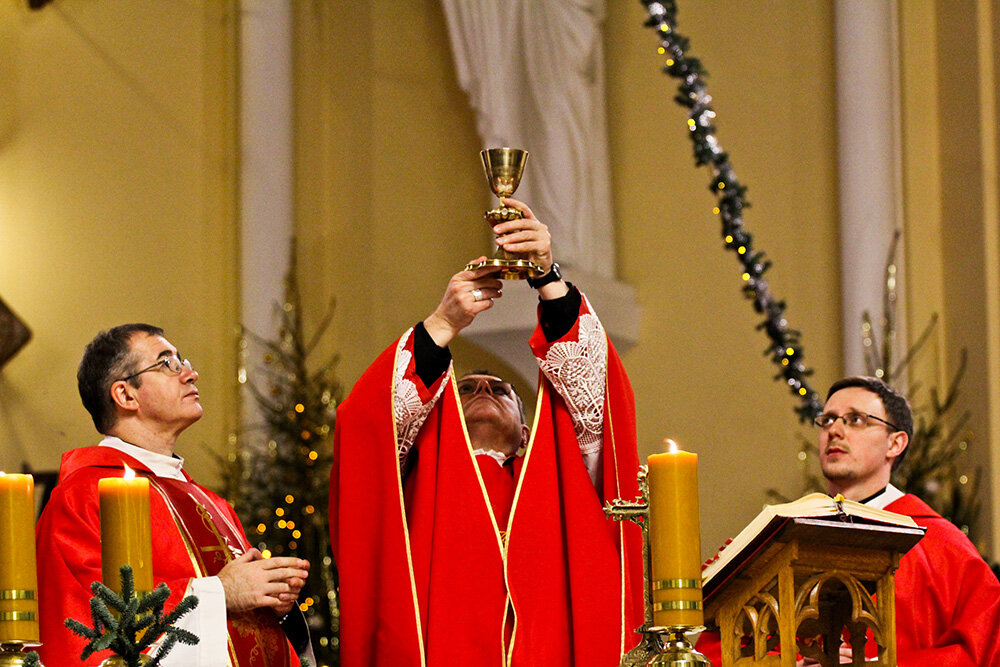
(510, 269)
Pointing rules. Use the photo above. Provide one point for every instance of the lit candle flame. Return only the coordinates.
(129, 473)
(671, 445)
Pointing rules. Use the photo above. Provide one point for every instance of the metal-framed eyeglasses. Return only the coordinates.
(172, 364)
(468, 386)
(853, 420)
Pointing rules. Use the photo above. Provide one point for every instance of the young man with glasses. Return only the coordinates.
(141, 396)
(947, 598)
(462, 535)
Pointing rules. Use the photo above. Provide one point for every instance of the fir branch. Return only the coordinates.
(140, 623)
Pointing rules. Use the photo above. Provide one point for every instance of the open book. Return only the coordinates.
(774, 518)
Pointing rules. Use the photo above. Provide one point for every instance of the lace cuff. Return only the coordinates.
(578, 370)
(410, 403)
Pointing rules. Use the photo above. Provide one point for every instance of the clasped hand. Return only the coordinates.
(252, 581)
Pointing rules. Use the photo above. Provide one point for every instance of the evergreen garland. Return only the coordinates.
(784, 350)
(930, 468)
(140, 621)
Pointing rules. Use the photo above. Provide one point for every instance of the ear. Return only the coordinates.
(525, 434)
(123, 395)
(898, 442)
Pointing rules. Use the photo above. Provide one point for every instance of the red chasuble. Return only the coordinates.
(428, 576)
(195, 533)
(947, 598)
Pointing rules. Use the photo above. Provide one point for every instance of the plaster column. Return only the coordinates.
(869, 158)
(266, 164)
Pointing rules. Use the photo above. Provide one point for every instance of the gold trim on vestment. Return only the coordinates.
(609, 430)
(196, 564)
(402, 500)
(513, 507)
(502, 536)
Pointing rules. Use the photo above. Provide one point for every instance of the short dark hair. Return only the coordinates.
(106, 359)
(897, 408)
(520, 403)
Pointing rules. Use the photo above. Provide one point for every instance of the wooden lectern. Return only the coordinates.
(797, 591)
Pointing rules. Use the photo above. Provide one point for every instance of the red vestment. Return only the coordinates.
(947, 599)
(195, 533)
(430, 576)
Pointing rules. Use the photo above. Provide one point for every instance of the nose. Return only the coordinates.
(836, 428)
(483, 386)
(191, 375)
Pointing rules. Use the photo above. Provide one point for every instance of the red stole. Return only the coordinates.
(426, 578)
(211, 537)
(69, 555)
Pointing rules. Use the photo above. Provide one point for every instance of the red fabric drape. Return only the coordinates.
(571, 574)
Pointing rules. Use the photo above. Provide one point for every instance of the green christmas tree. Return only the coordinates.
(278, 476)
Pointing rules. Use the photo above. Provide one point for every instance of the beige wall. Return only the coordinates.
(393, 193)
(949, 65)
(117, 203)
(116, 180)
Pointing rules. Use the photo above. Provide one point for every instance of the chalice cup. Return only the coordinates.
(504, 168)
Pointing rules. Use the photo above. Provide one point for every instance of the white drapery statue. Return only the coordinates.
(534, 73)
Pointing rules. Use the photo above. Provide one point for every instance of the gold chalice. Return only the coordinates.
(504, 168)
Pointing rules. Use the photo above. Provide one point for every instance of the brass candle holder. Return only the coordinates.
(12, 654)
(660, 645)
(504, 168)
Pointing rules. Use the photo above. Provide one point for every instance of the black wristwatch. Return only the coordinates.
(553, 275)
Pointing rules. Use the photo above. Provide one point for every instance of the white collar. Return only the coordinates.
(886, 498)
(170, 467)
(499, 457)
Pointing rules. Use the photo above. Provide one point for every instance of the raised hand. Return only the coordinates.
(468, 294)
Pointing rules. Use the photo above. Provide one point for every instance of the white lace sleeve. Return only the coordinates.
(578, 370)
(409, 410)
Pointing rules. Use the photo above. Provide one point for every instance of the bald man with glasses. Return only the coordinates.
(462, 534)
(141, 396)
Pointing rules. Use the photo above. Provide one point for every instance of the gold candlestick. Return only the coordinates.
(659, 645)
(504, 168)
(12, 654)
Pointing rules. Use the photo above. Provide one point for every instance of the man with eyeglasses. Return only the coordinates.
(141, 396)
(462, 535)
(947, 598)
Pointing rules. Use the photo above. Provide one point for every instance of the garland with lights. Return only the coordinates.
(785, 350)
(930, 468)
(278, 479)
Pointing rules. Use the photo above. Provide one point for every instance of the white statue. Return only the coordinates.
(534, 72)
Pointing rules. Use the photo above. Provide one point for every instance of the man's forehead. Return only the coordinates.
(858, 398)
(151, 345)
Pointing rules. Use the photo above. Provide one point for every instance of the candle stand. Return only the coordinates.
(660, 645)
(12, 654)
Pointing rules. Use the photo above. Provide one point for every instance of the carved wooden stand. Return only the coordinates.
(812, 580)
